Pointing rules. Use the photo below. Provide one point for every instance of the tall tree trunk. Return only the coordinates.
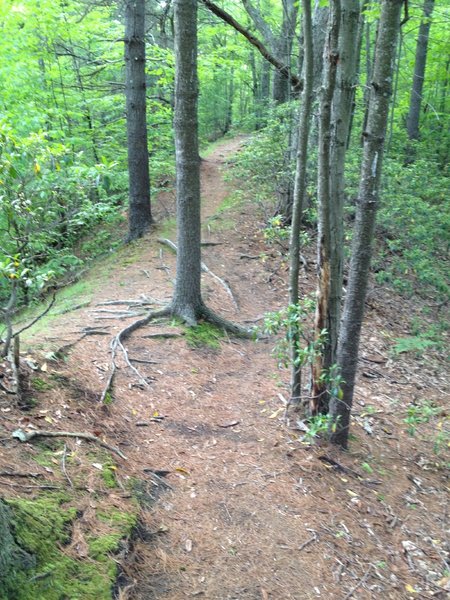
(331, 58)
(374, 137)
(140, 216)
(320, 28)
(299, 196)
(341, 118)
(281, 83)
(413, 119)
(187, 300)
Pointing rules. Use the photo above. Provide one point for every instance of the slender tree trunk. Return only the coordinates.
(320, 28)
(299, 196)
(368, 65)
(331, 58)
(140, 216)
(413, 119)
(341, 120)
(281, 83)
(187, 300)
(374, 138)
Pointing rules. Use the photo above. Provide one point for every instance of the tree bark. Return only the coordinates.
(331, 58)
(299, 196)
(140, 216)
(319, 25)
(374, 138)
(187, 300)
(281, 83)
(341, 119)
(413, 119)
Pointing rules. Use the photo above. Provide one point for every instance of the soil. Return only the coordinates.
(241, 506)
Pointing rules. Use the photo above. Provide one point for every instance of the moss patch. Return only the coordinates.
(204, 334)
(42, 528)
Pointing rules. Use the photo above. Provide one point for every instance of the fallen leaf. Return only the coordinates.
(352, 494)
(181, 470)
(409, 588)
(98, 466)
(275, 414)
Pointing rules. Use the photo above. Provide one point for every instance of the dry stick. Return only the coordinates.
(122, 336)
(31, 487)
(163, 334)
(312, 539)
(63, 466)
(17, 474)
(143, 302)
(359, 584)
(205, 269)
(25, 436)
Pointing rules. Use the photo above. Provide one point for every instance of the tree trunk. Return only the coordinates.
(341, 118)
(412, 121)
(299, 196)
(281, 82)
(374, 137)
(187, 300)
(331, 58)
(319, 25)
(140, 216)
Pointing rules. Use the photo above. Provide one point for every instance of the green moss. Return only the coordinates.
(204, 334)
(40, 385)
(108, 475)
(42, 528)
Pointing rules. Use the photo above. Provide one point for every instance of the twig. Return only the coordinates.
(26, 436)
(63, 466)
(127, 302)
(211, 243)
(144, 362)
(162, 335)
(52, 302)
(312, 539)
(360, 583)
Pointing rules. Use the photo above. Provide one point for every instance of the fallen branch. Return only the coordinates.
(26, 436)
(162, 335)
(205, 269)
(18, 474)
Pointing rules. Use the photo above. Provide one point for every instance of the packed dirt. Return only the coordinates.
(240, 506)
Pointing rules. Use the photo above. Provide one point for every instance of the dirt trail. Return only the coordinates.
(251, 513)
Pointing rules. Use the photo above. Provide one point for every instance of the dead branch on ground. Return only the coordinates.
(27, 436)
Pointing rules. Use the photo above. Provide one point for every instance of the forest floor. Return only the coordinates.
(235, 505)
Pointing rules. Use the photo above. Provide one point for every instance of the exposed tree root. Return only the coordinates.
(26, 436)
(190, 318)
(117, 342)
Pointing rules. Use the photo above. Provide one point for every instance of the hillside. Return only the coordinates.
(219, 496)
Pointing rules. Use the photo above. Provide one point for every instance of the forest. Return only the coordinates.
(224, 290)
